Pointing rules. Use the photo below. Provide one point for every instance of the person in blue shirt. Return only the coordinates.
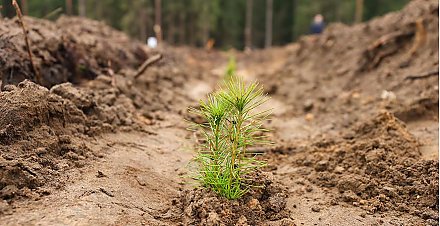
(318, 24)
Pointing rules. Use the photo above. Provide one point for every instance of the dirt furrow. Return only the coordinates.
(133, 183)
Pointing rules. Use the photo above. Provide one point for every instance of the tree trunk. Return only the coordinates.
(248, 28)
(69, 7)
(143, 25)
(82, 8)
(192, 30)
(206, 23)
(269, 13)
(182, 33)
(158, 20)
(171, 29)
(24, 7)
(359, 11)
(293, 19)
(99, 10)
(7, 9)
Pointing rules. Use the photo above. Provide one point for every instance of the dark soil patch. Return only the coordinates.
(261, 206)
(70, 50)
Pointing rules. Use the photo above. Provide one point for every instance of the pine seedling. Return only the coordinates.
(231, 68)
(231, 126)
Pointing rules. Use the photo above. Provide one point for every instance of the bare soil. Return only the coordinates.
(355, 126)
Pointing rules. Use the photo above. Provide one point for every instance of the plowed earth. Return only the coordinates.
(355, 126)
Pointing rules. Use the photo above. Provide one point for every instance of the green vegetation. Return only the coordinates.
(193, 22)
(231, 126)
(230, 68)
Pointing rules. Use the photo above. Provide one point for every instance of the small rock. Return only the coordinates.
(277, 202)
(350, 196)
(307, 162)
(383, 197)
(8, 191)
(431, 222)
(339, 169)
(355, 95)
(316, 209)
(213, 219)
(388, 95)
(77, 96)
(321, 165)
(100, 174)
(242, 221)
(308, 105)
(309, 117)
(9, 88)
(41, 151)
(65, 139)
(254, 204)
(333, 202)
(4, 206)
(389, 191)
(72, 155)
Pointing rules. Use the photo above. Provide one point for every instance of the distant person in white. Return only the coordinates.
(152, 42)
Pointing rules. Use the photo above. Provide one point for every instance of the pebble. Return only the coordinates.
(309, 117)
(8, 191)
(316, 209)
(254, 204)
(213, 218)
(308, 105)
(339, 169)
(321, 165)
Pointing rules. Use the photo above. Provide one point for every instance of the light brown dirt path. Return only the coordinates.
(132, 184)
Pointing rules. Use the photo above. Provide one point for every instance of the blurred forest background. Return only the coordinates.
(229, 23)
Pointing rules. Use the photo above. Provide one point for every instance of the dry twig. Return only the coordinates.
(422, 76)
(26, 39)
(420, 37)
(147, 63)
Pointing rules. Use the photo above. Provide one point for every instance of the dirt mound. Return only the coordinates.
(359, 114)
(69, 50)
(160, 89)
(79, 50)
(377, 166)
(262, 206)
(44, 131)
(352, 71)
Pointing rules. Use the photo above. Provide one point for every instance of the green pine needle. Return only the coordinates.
(231, 126)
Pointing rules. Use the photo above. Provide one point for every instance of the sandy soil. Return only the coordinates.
(356, 134)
